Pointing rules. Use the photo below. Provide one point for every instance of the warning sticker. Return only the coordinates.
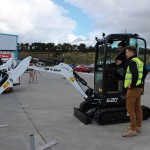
(6, 84)
(72, 79)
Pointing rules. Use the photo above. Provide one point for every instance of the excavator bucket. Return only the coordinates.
(85, 112)
(85, 119)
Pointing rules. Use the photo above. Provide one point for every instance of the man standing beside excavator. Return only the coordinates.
(134, 77)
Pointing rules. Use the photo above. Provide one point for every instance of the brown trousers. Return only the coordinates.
(133, 104)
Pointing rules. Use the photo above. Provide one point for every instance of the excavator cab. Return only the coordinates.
(109, 77)
(108, 104)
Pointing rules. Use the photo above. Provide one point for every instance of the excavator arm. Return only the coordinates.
(62, 69)
(12, 75)
(5, 68)
(11, 63)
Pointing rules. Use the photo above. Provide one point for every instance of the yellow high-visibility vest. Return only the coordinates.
(128, 76)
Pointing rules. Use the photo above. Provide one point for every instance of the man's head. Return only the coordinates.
(130, 51)
(121, 46)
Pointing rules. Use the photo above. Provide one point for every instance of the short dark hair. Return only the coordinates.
(132, 48)
(122, 43)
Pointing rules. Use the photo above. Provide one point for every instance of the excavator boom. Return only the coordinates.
(6, 65)
(62, 69)
(14, 74)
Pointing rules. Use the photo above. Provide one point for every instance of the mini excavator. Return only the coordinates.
(5, 68)
(106, 103)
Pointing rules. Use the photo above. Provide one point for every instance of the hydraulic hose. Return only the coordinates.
(80, 79)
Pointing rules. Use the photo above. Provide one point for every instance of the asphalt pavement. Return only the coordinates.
(45, 110)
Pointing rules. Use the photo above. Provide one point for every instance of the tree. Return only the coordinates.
(67, 47)
(21, 46)
(50, 46)
(82, 47)
(75, 47)
(26, 45)
(37, 46)
(59, 47)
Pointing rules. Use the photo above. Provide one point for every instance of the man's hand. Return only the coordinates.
(118, 62)
(129, 86)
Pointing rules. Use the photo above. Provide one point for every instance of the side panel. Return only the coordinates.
(8, 42)
(8, 45)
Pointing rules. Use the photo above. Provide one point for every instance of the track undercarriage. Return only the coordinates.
(87, 112)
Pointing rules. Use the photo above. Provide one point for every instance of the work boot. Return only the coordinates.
(129, 133)
(138, 129)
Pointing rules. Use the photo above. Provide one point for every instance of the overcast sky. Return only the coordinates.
(73, 21)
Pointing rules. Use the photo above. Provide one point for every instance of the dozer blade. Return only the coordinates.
(86, 119)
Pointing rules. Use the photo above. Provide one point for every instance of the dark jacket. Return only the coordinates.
(1, 62)
(122, 57)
